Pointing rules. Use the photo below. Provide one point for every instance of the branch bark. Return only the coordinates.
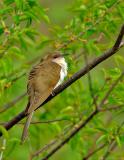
(75, 77)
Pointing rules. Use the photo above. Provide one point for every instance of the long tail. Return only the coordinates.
(25, 130)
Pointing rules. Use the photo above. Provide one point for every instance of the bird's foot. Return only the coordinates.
(53, 93)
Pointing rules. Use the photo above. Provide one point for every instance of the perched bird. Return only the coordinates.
(43, 78)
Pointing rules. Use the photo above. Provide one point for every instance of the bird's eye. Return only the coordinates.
(55, 56)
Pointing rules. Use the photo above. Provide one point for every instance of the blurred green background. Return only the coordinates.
(29, 30)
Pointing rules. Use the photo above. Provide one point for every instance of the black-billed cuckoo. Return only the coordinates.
(43, 78)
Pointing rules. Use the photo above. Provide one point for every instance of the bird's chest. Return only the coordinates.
(62, 75)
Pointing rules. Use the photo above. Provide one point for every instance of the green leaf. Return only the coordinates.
(41, 12)
(119, 60)
(15, 49)
(91, 31)
(22, 42)
(16, 19)
(74, 142)
(96, 49)
(32, 3)
(31, 33)
(1, 30)
(109, 3)
(46, 18)
(44, 43)
(6, 10)
(102, 129)
(101, 139)
(56, 127)
(121, 11)
(68, 109)
(17, 140)
(19, 4)
(115, 72)
(8, 2)
(121, 138)
(118, 141)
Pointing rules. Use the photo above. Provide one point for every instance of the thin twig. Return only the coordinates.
(112, 146)
(45, 147)
(39, 122)
(95, 151)
(112, 108)
(12, 103)
(90, 83)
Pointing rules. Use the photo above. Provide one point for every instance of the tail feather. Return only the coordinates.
(25, 130)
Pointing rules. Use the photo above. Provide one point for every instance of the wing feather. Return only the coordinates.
(42, 80)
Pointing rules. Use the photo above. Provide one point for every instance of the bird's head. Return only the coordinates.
(58, 58)
(52, 56)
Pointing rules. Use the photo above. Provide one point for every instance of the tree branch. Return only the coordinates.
(95, 151)
(112, 108)
(75, 77)
(39, 122)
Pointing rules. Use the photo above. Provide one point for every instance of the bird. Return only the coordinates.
(42, 80)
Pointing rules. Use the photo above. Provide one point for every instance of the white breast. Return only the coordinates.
(61, 61)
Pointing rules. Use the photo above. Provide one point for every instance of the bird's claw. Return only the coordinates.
(53, 93)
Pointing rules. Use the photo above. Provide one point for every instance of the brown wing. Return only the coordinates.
(42, 80)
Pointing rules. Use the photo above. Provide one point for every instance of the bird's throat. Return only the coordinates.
(63, 71)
